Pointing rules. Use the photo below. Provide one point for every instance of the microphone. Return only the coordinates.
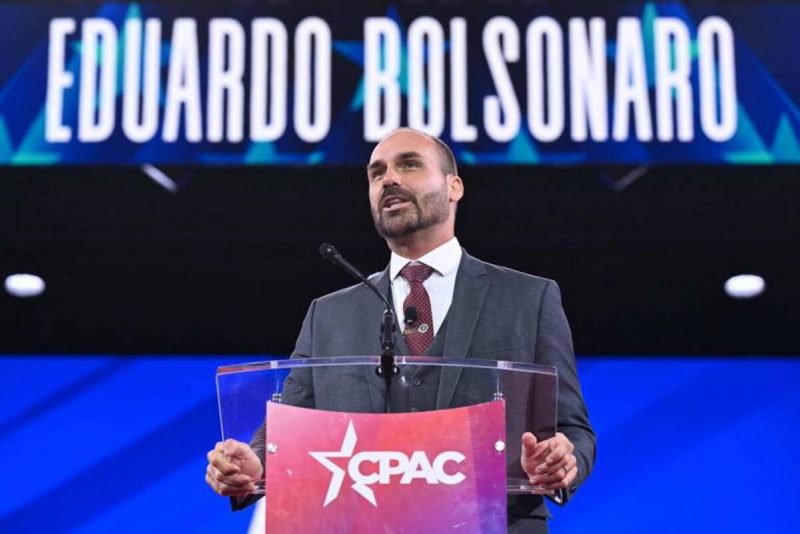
(330, 253)
(410, 315)
(387, 368)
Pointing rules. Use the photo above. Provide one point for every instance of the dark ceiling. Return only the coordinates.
(229, 264)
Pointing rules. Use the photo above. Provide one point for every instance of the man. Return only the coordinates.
(466, 308)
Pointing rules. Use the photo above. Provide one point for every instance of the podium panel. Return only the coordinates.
(436, 471)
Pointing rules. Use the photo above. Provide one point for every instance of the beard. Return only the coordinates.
(426, 211)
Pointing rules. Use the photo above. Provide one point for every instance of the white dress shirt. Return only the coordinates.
(440, 284)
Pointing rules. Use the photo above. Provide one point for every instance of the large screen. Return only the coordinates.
(306, 83)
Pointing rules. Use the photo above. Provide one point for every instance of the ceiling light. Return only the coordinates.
(24, 285)
(744, 286)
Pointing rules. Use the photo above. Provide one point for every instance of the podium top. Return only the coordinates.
(438, 361)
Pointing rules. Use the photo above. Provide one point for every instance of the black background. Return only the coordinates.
(229, 264)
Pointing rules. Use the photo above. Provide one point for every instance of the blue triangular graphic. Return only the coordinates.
(785, 147)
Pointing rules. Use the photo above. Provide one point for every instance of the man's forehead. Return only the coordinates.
(402, 143)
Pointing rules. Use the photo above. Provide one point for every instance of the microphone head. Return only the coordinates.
(410, 315)
(328, 252)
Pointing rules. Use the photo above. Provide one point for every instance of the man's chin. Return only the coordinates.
(395, 228)
(394, 233)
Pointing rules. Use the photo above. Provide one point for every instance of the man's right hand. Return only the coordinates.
(233, 469)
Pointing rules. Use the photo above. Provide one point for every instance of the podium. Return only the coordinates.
(438, 450)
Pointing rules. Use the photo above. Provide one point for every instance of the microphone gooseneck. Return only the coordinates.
(387, 368)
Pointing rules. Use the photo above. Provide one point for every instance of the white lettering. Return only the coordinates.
(441, 474)
(268, 35)
(501, 114)
(716, 92)
(97, 34)
(141, 81)
(226, 39)
(354, 468)
(58, 79)
(630, 82)
(381, 77)
(419, 467)
(460, 128)
(587, 73)
(552, 97)
(385, 464)
(312, 33)
(426, 38)
(673, 66)
(183, 83)
(391, 464)
(545, 114)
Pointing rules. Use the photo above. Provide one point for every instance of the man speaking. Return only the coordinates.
(459, 307)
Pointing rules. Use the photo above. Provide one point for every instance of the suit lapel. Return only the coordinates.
(370, 340)
(468, 296)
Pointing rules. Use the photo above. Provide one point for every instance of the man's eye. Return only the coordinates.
(376, 175)
(411, 164)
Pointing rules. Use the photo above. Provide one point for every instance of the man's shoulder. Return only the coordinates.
(507, 275)
(350, 293)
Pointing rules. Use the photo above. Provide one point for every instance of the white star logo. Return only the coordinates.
(337, 473)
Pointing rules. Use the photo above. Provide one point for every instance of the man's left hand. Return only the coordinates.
(549, 463)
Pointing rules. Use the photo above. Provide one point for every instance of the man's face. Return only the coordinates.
(407, 190)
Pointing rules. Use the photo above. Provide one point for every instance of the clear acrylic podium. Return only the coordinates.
(349, 384)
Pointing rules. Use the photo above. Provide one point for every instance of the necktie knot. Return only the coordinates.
(416, 273)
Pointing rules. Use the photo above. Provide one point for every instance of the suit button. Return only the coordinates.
(417, 382)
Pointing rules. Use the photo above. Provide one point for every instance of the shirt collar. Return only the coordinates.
(444, 259)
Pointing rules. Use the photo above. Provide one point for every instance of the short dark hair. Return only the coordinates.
(447, 161)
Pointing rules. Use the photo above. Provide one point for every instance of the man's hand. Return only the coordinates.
(550, 463)
(233, 468)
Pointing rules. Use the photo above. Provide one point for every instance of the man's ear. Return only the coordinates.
(455, 187)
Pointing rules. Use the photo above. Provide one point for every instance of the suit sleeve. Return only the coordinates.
(297, 391)
(554, 347)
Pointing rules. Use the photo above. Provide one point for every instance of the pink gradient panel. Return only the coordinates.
(443, 491)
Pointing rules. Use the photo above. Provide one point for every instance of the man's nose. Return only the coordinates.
(391, 177)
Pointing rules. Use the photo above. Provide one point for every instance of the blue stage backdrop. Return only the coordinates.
(118, 444)
(295, 83)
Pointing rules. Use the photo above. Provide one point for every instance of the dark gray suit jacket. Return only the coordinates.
(496, 313)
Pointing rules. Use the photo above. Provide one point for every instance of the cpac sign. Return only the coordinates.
(320, 475)
(380, 467)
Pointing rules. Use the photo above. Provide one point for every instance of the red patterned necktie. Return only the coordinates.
(419, 333)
